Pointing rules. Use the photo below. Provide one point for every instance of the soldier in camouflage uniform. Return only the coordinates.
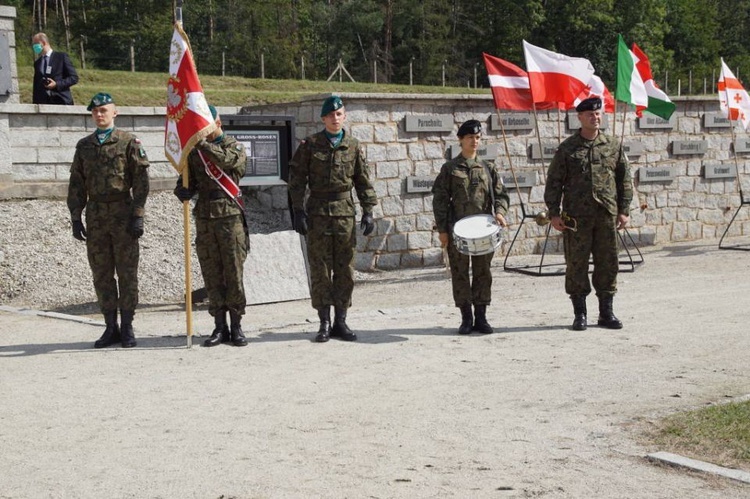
(590, 177)
(330, 163)
(221, 239)
(109, 178)
(465, 186)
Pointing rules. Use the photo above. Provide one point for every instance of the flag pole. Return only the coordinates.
(510, 163)
(186, 225)
(736, 162)
(539, 139)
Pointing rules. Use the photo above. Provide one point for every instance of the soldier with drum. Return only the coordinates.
(467, 186)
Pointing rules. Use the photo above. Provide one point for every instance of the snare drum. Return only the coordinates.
(477, 235)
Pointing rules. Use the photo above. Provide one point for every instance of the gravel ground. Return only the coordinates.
(42, 265)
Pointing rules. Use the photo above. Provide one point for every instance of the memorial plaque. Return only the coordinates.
(513, 121)
(716, 120)
(742, 145)
(549, 151)
(650, 121)
(429, 123)
(656, 174)
(419, 184)
(574, 123)
(633, 149)
(525, 179)
(720, 171)
(689, 147)
(487, 151)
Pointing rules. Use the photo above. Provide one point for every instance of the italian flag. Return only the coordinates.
(636, 85)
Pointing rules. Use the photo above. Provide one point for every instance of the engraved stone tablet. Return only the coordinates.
(720, 171)
(633, 149)
(716, 120)
(429, 123)
(525, 179)
(574, 123)
(419, 184)
(549, 151)
(513, 121)
(650, 121)
(742, 145)
(487, 151)
(656, 174)
(689, 147)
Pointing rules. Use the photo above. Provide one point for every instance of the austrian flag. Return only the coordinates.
(188, 116)
(510, 85)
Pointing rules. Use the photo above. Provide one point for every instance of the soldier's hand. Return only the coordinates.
(443, 236)
(183, 193)
(557, 223)
(79, 231)
(135, 227)
(367, 224)
(300, 222)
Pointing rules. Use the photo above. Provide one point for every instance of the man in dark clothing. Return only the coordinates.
(54, 74)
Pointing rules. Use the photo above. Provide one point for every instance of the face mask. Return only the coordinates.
(37, 47)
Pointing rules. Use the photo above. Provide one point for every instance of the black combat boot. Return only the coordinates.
(111, 334)
(235, 331)
(126, 330)
(606, 316)
(324, 333)
(480, 320)
(579, 311)
(340, 330)
(467, 320)
(220, 334)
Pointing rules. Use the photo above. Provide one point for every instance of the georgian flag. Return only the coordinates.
(733, 99)
(556, 77)
(188, 116)
(597, 88)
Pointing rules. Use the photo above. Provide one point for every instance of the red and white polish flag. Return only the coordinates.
(556, 77)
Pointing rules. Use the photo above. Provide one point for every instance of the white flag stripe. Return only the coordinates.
(546, 61)
(637, 87)
(509, 81)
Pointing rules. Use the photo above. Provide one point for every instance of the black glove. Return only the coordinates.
(79, 231)
(300, 222)
(183, 193)
(367, 224)
(135, 227)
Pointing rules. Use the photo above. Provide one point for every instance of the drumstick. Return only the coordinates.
(446, 261)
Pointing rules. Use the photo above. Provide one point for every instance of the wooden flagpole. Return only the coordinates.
(186, 225)
(510, 162)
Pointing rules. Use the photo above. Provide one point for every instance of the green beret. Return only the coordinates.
(100, 99)
(214, 112)
(332, 103)
(590, 104)
(471, 127)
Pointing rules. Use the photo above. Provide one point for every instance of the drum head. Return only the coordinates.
(476, 226)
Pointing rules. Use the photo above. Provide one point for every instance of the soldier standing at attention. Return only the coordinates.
(109, 178)
(330, 163)
(590, 176)
(467, 186)
(216, 165)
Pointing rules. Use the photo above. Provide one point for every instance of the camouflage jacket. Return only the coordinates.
(107, 172)
(462, 188)
(584, 172)
(230, 156)
(330, 173)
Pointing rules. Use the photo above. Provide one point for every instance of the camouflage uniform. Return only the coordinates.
(221, 234)
(101, 179)
(461, 189)
(330, 172)
(591, 178)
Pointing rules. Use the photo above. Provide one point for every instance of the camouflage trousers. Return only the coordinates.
(111, 250)
(475, 289)
(597, 237)
(330, 253)
(221, 245)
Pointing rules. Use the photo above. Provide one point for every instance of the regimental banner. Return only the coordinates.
(742, 145)
(419, 184)
(633, 149)
(513, 121)
(574, 123)
(525, 179)
(649, 121)
(689, 147)
(720, 171)
(716, 120)
(656, 174)
(487, 151)
(429, 123)
(549, 151)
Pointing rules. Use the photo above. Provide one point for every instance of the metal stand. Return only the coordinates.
(741, 247)
(550, 269)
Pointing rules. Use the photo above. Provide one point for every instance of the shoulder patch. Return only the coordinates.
(238, 146)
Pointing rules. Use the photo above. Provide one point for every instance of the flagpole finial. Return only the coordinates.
(178, 13)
